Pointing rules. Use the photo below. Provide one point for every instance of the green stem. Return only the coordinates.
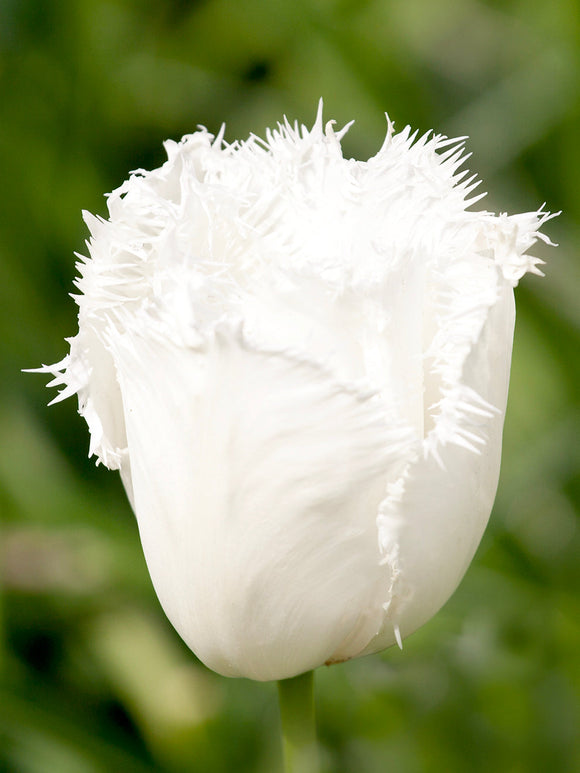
(296, 698)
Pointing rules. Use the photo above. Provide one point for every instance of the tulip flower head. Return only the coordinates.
(299, 364)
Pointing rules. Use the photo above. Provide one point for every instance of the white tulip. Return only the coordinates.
(299, 363)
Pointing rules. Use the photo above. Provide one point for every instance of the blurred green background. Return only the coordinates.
(93, 677)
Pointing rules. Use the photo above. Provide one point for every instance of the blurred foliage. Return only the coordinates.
(93, 677)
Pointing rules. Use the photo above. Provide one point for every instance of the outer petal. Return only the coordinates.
(438, 519)
(256, 481)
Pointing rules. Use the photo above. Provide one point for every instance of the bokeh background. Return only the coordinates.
(93, 678)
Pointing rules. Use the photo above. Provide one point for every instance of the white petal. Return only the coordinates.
(435, 525)
(257, 480)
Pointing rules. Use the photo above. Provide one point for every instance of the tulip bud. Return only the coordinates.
(299, 364)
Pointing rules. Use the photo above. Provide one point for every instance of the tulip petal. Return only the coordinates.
(437, 517)
(257, 480)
